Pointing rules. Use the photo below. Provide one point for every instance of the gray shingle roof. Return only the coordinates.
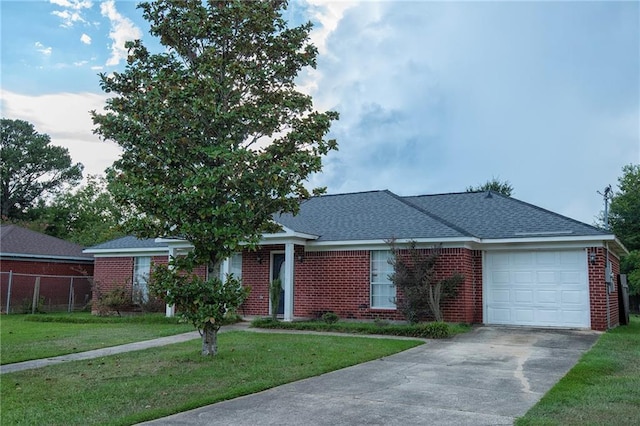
(15, 240)
(490, 215)
(380, 215)
(129, 242)
(365, 216)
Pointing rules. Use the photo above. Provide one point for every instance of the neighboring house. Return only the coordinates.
(522, 265)
(26, 255)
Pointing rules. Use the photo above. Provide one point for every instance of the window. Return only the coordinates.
(141, 269)
(383, 292)
(234, 265)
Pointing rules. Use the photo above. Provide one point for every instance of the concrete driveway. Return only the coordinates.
(489, 376)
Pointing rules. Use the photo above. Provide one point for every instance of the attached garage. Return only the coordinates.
(547, 288)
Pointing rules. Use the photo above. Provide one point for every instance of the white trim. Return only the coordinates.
(131, 252)
(310, 243)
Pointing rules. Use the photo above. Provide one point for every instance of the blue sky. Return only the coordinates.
(433, 96)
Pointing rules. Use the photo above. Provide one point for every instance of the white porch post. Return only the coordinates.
(226, 269)
(288, 281)
(170, 310)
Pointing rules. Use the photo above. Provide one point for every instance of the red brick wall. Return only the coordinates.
(339, 281)
(114, 272)
(46, 268)
(54, 288)
(598, 291)
(255, 274)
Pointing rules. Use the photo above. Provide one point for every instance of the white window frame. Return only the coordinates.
(231, 265)
(382, 290)
(141, 271)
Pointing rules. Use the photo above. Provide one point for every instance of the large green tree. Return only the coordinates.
(31, 168)
(494, 185)
(215, 136)
(624, 213)
(86, 215)
(624, 219)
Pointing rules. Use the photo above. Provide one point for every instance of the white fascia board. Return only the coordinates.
(131, 252)
(177, 243)
(558, 242)
(459, 242)
(23, 256)
(287, 235)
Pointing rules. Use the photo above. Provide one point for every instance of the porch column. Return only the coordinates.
(288, 281)
(170, 310)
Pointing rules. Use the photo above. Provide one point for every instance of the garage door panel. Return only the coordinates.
(546, 258)
(524, 316)
(546, 277)
(547, 316)
(569, 297)
(501, 295)
(573, 277)
(575, 258)
(500, 277)
(522, 296)
(547, 296)
(523, 277)
(546, 288)
(499, 315)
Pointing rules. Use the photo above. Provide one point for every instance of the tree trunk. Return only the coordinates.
(209, 339)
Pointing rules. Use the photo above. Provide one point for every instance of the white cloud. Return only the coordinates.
(438, 96)
(85, 39)
(42, 49)
(71, 12)
(328, 15)
(73, 4)
(122, 30)
(65, 118)
(68, 18)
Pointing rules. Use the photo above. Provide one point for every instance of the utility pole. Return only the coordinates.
(608, 279)
(606, 195)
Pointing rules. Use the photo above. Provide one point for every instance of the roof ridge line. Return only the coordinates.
(431, 215)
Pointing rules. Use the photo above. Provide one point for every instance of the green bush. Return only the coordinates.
(431, 330)
(330, 317)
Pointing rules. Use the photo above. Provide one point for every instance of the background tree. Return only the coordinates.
(624, 212)
(414, 274)
(215, 137)
(624, 219)
(31, 168)
(494, 185)
(86, 216)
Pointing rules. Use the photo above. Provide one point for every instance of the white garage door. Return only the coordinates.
(537, 288)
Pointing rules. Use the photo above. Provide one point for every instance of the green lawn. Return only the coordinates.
(25, 337)
(137, 386)
(602, 389)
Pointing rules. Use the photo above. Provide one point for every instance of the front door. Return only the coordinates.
(277, 271)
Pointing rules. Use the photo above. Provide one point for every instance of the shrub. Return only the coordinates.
(330, 317)
(116, 299)
(434, 330)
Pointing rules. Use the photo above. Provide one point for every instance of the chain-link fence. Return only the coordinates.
(27, 293)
